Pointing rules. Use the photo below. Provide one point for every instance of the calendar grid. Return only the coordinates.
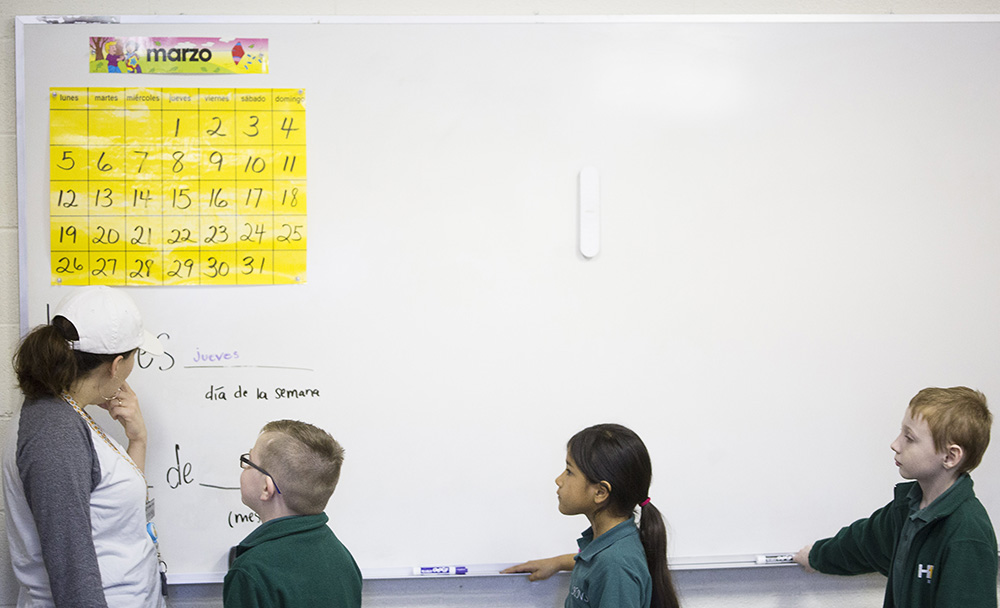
(177, 186)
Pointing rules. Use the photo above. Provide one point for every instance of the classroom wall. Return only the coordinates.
(787, 587)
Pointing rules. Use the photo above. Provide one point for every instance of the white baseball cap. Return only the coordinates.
(107, 321)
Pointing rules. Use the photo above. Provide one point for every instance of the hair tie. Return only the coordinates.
(645, 502)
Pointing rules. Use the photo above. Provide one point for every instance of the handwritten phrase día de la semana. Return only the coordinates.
(219, 393)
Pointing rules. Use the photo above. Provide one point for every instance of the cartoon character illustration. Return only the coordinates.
(237, 53)
(132, 59)
(113, 53)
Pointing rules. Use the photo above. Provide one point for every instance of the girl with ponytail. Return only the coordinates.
(619, 565)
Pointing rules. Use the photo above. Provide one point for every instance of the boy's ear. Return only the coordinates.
(269, 491)
(953, 456)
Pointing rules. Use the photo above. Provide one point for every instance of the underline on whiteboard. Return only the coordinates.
(304, 369)
(208, 485)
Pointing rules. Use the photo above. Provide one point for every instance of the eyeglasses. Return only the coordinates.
(245, 463)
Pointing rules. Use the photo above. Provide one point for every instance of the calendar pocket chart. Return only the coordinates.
(177, 186)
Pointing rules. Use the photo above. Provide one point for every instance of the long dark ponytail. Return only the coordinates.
(615, 454)
(46, 365)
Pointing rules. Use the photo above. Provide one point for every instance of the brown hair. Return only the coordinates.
(46, 365)
(304, 461)
(956, 415)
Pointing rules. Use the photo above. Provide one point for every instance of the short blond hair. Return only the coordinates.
(957, 415)
(304, 460)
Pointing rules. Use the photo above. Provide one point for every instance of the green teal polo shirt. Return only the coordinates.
(610, 570)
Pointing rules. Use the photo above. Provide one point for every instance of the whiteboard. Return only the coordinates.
(797, 232)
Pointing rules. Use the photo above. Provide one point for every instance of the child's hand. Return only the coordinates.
(541, 569)
(802, 557)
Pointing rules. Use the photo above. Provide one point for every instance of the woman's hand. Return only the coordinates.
(124, 408)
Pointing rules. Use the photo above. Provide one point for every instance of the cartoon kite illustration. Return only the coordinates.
(237, 53)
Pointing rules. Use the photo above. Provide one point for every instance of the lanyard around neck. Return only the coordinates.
(97, 429)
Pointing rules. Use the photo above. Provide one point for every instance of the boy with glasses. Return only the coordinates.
(293, 558)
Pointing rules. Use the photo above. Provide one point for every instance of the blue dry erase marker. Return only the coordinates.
(440, 570)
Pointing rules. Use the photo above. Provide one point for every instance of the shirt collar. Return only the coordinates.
(942, 505)
(590, 546)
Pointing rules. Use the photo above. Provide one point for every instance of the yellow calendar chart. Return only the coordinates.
(163, 186)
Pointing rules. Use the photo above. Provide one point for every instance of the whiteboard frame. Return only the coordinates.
(23, 21)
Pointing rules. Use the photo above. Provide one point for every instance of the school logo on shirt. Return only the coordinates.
(578, 594)
(927, 571)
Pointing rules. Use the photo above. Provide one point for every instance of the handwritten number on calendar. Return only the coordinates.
(216, 200)
(216, 268)
(140, 196)
(181, 199)
(254, 232)
(68, 266)
(286, 126)
(102, 198)
(106, 236)
(250, 196)
(67, 233)
(67, 158)
(217, 234)
(67, 198)
(178, 268)
(103, 166)
(291, 233)
(255, 164)
(143, 234)
(143, 268)
(180, 235)
(218, 127)
(250, 265)
(101, 267)
(216, 159)
(145, 155)
(254, 120)
(293, 201)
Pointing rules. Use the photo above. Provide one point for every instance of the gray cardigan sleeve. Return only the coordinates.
(59, 469)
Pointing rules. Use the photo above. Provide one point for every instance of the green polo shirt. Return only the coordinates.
(916, 521)
(944, 556)
(610, 570)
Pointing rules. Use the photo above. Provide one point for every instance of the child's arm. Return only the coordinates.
(541, 569)
(864, 546)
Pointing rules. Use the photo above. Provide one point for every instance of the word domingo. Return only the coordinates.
(176, 54)
(219, 393)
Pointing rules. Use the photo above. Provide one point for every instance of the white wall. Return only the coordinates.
(787, 587)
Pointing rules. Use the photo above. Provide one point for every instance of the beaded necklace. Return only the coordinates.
(97, 429)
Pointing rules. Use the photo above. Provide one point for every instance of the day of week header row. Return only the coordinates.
(176, 99)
